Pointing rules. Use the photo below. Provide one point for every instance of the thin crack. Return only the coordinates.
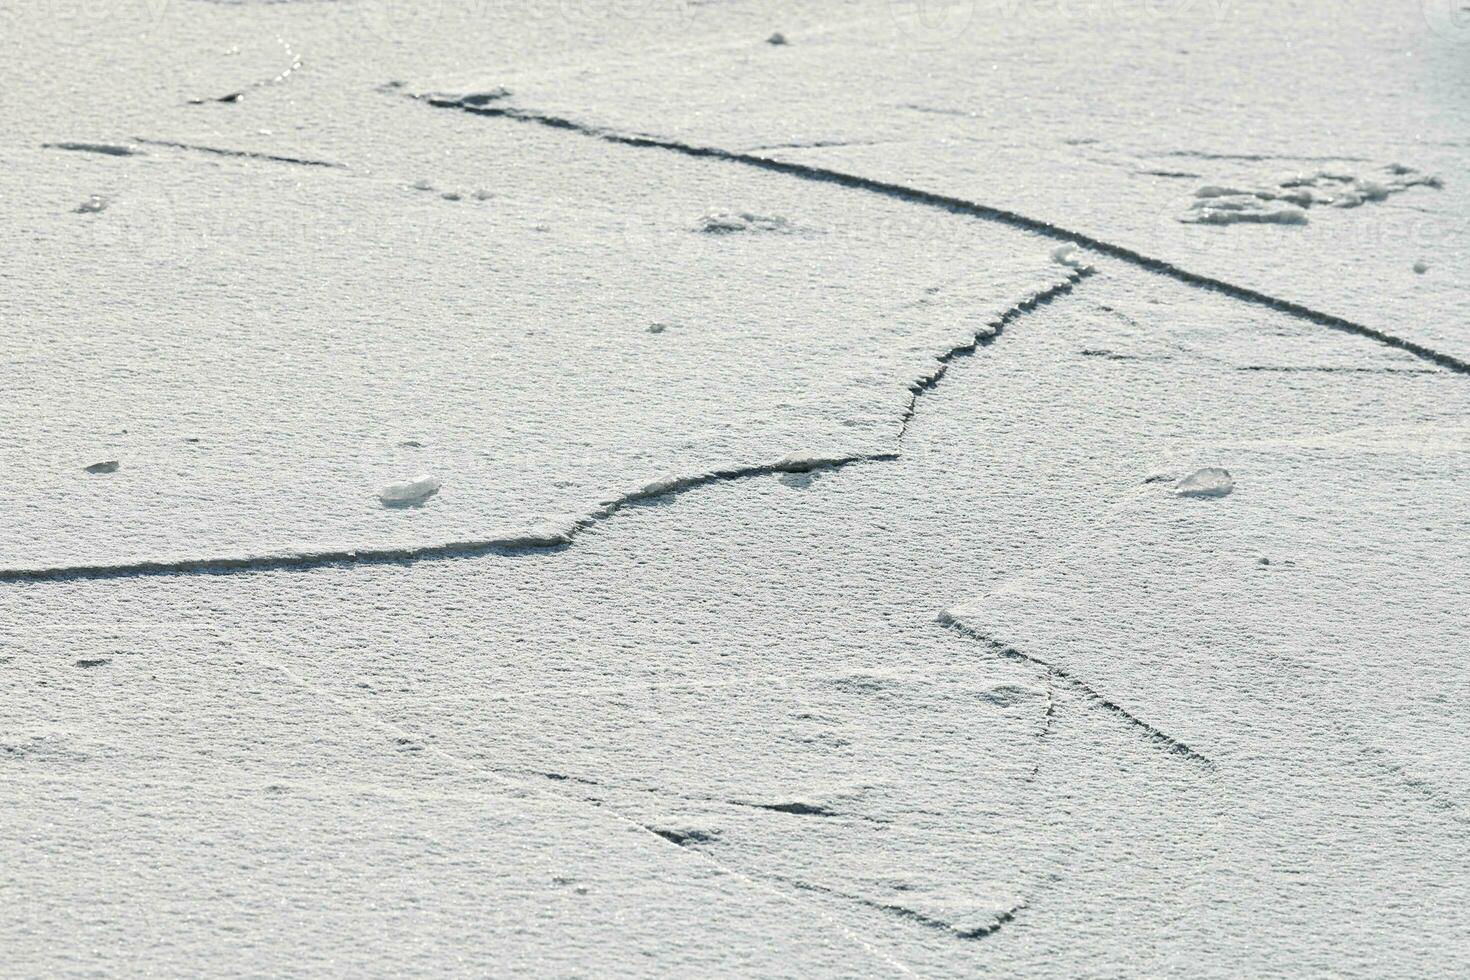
(992, 332)
(241, 154)
(957, 205)
(990, 928)
(1158, 735)
(1284, 369)
(403, 735)
(790, 807)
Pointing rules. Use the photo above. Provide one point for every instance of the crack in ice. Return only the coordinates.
(542, 539)
(552, 538)
(241, 154)
(990, 928)
(956, 205)
(993, 330)
(1154, 733)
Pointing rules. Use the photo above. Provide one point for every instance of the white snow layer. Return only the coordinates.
(815, 595)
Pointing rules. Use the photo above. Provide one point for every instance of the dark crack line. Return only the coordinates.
(533, 542)
(1155, 734)
(984, 338)
(241, 154)
(957, 205)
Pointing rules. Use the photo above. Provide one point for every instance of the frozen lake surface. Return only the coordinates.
(736, 488)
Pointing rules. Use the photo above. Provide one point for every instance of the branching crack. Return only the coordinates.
(1155, 734)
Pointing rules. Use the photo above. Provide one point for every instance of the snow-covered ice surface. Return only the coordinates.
(500, 488)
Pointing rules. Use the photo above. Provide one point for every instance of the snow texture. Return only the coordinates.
(945, 489)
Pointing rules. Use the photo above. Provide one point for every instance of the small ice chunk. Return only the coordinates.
(1302, 197)
(1067, 255)
(777, 39)
(1372, 190)
(107, 466)
(727, 222)
(798, 481)
(1216, 190)
(657, 327)
(92, 205)
(451, 195)
(1421, 267)
(1208, 481)
(408, 492)
(1229, 213)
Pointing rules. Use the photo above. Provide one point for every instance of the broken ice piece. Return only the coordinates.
(726, 222)
(413, 491)
(92, 205)
(1209, 481)
(1066, 255)
(107, 466)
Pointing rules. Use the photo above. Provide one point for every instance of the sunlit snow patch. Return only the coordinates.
(1209, 481)
(409, 492)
